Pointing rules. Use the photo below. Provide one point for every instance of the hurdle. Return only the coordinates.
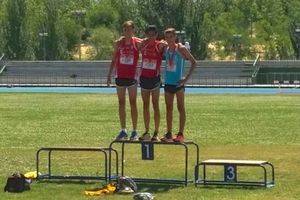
(148, 154)
(231, 172)
(50, 150)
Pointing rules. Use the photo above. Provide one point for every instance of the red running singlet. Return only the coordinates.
(151, 59)
(127, 59)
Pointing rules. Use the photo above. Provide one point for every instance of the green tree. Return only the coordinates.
(273, 30)
(199, 20)
(168, 13)
(128, 10)
(33, 21)
(102, 14)
(292, 11)
(268, 24)
(102, 40)
(2, 25)
(71, 29)
(55, 41)
(14, 33)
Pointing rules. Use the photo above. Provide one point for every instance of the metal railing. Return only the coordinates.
(213, 80)
(279, 78)
(256, 66)
(216, 78)
(2, 63)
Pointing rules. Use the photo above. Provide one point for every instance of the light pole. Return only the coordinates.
(237, 45)
(43, 35)
(297, 35)
(79, 14)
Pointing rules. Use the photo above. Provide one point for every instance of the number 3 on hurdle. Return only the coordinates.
(230, 173)
(147, 151)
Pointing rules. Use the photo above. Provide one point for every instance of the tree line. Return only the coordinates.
(52, 29)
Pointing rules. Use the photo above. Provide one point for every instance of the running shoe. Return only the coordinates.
(155, 137)
(122, 135)
(145, 137)
(167, 137)
(179, 138)
(134, 136)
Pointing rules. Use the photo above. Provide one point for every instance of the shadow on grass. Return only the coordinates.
(79, 182)
(210, 187)
(155, 187)
(95, 185)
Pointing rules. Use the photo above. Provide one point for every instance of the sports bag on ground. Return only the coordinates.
(16, 183)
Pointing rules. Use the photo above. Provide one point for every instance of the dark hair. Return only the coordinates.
(170, 30)
(151, 28)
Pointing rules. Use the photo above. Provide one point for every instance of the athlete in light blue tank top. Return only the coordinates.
(174, 67)
(175, 79)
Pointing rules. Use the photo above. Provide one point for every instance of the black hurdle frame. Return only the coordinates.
(185, 181)
(263, 183)
(49, 176)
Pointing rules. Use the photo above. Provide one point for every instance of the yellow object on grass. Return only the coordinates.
(108, 189)
(31, 175)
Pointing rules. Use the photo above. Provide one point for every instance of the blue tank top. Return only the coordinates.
(174, 67)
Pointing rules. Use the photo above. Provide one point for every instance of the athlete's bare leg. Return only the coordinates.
(121, 91)
(155, 103)
(169, 99)
(181, 109)
(132, 91)
(146, 105)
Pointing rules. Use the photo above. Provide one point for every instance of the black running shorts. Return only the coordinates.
(150, 83)
(125, 82)
(173, 88)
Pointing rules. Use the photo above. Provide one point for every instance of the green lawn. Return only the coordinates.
(262, 127)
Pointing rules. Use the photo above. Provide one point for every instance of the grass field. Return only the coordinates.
(262, 127)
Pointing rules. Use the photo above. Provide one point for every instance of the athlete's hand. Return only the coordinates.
(108, 81)
(182, 82)
(164, 43)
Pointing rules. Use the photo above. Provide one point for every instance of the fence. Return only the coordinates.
(278, 78)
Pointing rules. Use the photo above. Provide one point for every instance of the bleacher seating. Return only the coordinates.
(283, 71)
(95, 72)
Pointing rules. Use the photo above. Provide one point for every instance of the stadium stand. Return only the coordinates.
(206, 74)
(285, 72)
(94, 73)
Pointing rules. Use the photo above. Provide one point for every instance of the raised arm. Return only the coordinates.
(188, 56)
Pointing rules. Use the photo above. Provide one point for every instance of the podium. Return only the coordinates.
(231, 173)
(114, 161)
(147, 148)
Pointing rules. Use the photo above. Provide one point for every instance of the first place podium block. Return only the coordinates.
(148, 153)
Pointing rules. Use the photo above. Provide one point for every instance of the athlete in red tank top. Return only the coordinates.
(151, 58)
(152, 51)
(127, 58)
